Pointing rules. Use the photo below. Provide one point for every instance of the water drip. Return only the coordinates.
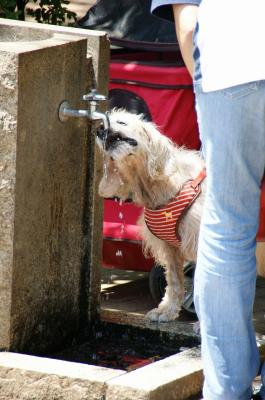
(105, 169)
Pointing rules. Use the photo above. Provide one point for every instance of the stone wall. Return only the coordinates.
(51, 216)
(8, 128)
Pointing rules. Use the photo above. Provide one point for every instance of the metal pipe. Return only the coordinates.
(65, 112)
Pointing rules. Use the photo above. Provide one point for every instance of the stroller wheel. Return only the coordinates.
(157, 282)
(188, 303)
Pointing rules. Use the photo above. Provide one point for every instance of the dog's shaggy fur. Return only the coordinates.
(142, 164)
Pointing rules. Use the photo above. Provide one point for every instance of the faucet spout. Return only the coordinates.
(97, 115)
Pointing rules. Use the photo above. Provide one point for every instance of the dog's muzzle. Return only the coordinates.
(111, 139)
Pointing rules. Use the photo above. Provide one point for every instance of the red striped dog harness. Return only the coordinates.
(163, 222)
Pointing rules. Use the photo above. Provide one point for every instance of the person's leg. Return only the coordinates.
(232, 126)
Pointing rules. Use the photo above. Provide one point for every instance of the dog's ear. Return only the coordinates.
(157, 151)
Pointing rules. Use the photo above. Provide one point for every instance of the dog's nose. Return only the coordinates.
(102, 133)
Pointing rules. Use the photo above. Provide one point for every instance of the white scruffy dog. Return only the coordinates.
(141, 163)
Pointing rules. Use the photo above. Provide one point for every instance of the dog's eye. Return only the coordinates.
(114, 138)
(121, 123)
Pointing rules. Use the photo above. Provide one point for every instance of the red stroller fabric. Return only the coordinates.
(122, 246)
(167, 91)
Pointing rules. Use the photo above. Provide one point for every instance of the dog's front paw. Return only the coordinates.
(153, 315)
(162, 315)
(167, 316)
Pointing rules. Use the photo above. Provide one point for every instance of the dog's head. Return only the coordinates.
(122, 138)
(130, 135)
(133, 149)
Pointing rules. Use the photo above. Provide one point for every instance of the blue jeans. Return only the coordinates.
(232, 126)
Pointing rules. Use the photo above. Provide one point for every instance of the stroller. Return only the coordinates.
(147, 76)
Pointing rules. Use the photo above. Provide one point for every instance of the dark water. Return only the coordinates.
(122, 347)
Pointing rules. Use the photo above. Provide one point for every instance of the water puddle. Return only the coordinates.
(123, 347)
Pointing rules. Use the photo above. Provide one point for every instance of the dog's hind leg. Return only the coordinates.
(170, 305)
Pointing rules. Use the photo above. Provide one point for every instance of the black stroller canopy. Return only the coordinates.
(129, 21)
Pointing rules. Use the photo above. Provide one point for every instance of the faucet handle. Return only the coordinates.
(93, 95)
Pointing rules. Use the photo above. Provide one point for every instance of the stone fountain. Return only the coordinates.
(50, 218)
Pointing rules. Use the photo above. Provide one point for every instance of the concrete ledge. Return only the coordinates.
(35, 378)
(178, 328)
(174, 378)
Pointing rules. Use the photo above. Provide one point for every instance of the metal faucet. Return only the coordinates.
(93, 98)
